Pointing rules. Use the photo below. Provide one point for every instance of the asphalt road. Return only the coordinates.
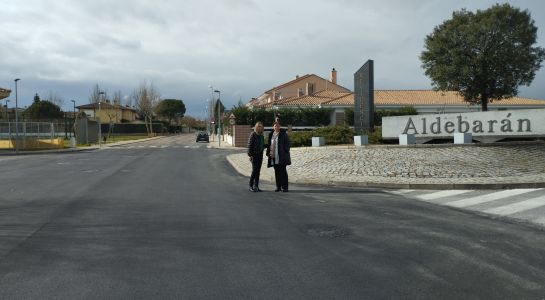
(170, 219)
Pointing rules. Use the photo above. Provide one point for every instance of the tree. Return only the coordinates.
(484, 56)
(97, 95)
(220, 115)
(170, 109)
(117, 98)
(146, 98)
(54, 98)
(43, 110)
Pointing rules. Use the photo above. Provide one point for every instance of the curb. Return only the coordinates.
(60, 151)
(429, 186)
(71, 150)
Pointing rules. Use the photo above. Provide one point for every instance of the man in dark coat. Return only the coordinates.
(256, 145)
(278, 152)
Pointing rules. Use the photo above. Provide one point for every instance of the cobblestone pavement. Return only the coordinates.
(498, 165)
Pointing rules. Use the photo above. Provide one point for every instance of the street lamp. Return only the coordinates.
(6, 106)
(211, 109)
(16, 119)
(219, 116)
(74, 101)
(74, 116)
(99, 123)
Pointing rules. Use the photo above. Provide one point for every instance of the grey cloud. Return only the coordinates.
(240, 46)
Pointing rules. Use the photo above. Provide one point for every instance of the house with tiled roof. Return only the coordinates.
(108, 113)
(339, 98)
(300, 86)
(4, 93)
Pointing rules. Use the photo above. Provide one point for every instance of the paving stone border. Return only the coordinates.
(493, 166)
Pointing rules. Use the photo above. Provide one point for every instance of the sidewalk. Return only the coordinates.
(6, 152)
(447, 166)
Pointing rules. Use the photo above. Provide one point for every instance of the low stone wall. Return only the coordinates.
(31, 144)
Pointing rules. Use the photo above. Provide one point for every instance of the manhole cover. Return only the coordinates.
(327, 231)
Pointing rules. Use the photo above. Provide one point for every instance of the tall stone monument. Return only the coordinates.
(364, 102)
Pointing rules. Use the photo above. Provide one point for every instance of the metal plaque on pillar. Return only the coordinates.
(364, 102)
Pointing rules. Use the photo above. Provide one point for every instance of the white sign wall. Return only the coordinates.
(506, 123)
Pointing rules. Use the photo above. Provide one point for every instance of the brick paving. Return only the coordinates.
(499, 165)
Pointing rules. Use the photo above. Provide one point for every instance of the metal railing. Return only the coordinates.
(29, 131)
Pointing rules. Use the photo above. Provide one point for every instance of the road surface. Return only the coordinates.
(170, 219)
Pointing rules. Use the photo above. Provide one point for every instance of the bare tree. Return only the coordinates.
(146, 98)
(53, 97)
(127, 101)
(117, 98)
(97, 95)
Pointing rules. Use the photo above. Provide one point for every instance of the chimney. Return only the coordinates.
(334, 76)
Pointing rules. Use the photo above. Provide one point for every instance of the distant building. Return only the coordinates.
(424, 101)
(300, 86)
(4, 93)
(108, 113)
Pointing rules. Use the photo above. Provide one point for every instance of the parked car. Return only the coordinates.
(202, 136)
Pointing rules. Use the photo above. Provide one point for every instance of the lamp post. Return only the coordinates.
(74, 101)
(99, 123)
(16, 119)
(219, 116)
(211, 109)
(207, 115)
(6, 106)
(74, 116)
(7, 118)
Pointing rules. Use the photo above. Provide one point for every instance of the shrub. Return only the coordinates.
(375, 137)
(335, 135)
(301, 138)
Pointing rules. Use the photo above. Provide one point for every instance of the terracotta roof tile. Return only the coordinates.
(430, 97)
(311, 100)
(396, 98)
(331, 93)
(103, 106)
(347, 99)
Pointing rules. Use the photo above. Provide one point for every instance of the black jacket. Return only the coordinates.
(253, 145)
(283, 148)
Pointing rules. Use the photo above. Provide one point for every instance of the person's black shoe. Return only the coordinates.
(257, 189)
(285, 190)
(277, 190)
(252, 189)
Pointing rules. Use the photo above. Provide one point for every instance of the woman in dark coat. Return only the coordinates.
(278, 152)
(256, 145)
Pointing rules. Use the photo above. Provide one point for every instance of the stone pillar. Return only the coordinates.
(318, 141)
(463, 138)
(360, 140)
(407, 139)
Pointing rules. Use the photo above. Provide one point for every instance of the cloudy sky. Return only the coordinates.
(241, 47)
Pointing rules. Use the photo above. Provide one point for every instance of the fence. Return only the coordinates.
(30, 135)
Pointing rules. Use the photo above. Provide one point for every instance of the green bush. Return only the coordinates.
(375, 137)
(300, 116)
(379, 114)
(335, 135)
(301, 138)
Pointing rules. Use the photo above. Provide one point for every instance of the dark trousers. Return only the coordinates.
(257, 161)
(281, 176)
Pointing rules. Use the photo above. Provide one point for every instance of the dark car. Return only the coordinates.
(202, 136)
